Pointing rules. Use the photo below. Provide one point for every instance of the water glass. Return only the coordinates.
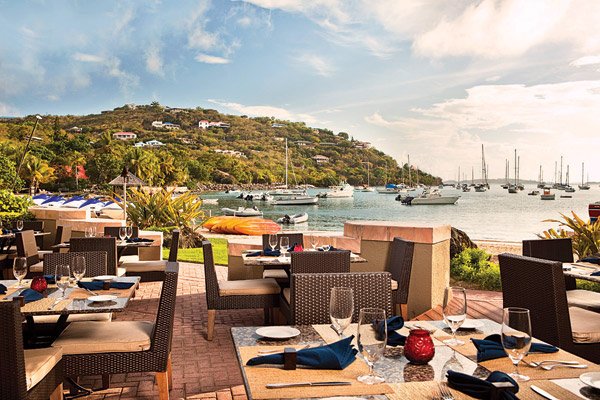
(20, 269)
(273, 241)
(19, 225)
(284, 245)
(78, 267)
(62, 276)
(516, 337)
(455, 312)
(371, 339)
(129, 231)
(341, 308)
(122, 232)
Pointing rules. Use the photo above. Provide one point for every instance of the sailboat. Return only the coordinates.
(568, 188)
(506, 173)
(389, 188)
(367, 187)
(541, 183)
(285, 196)
(583, 186)
(483, 186)
(514, 188)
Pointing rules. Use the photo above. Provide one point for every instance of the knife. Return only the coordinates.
(55, 303)
(542, 392)
(285, 385)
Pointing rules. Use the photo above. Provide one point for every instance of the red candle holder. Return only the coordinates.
(39, 284)
(419, 348)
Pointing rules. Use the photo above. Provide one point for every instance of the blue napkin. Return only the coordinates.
(479, 388)
(2, 289)
(491, 347)
(336, 355)
(393, 337)
(97, 285)
(597, 273)
(139, 240)
(266, 252)
(31, 295)
(592, 258)
(332, 249)
(50, 279)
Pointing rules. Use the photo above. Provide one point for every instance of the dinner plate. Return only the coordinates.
(102, 298)
(277, 332)
(591, 379)
(104, 277)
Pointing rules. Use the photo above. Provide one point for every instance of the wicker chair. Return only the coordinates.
(153, 271)
(233, 295)
(142, 346)
(308, 301)
(20, 374)
(279, 274)
(106, 244)
(113, 231)
(539, 286)
(63, 234)
(26, 247)
(562, 250)
(400, 266)
(307, 262)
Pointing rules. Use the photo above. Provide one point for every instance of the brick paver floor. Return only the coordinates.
(203, 369)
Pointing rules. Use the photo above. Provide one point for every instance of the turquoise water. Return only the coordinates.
(493, 215)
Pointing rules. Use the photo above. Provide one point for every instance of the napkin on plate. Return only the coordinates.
(393, 337)
(336, 355)
(97, 285)
(479, 388)
(491, 347)
(31, 295)
(2, 289)
(139, 240)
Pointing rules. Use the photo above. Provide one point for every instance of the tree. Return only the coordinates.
(37, 171)
(74, 161)
(8, 173)
(343, 135)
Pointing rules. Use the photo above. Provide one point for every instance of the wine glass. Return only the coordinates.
(516, 337)
(78, 267)
(313, 241)
(371, 340)
(129, 231)
(284, 245)
(20, 269)
(19, 225)
(88, 231)
(122, 233)
(62, 277)
(341, 307)
(455, 312)
(272, 242)
(93, 231)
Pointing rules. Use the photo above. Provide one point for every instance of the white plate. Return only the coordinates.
(102, 298)
(470, 324)
(278, 332)
(591, 379)
(104, 277)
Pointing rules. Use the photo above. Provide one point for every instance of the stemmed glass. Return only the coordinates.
(341, 307)
(78, 267)
(371, 340)
(62, 277)
(129, 231)
(19, 225)
(272, 242)
(455, 312)
(284, 245)
(88, 231)
(313, 241)
(516, 337)
(122, 233)
(20, 269)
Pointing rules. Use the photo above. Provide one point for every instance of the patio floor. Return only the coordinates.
(209, 370)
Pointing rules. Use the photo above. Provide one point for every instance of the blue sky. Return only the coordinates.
(427, 78)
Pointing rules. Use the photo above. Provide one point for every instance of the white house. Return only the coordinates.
(277, 125)
(170, 126)
(124, 135)
(363, 145)
(75, 129)
(157, 124)
(188, 140)
(319, 159)
(204, 124)
(154, 143)
(139, 144)
(220, 124)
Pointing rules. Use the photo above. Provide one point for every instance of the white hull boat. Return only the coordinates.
(343, 190)
(242, 212)
(429, 197)
(293, 219)
(388, 191)
(297, 201)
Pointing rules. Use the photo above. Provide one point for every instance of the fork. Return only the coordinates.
(537, 364)
(445, 392)
(549, 367)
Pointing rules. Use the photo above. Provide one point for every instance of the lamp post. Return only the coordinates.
(38, 118)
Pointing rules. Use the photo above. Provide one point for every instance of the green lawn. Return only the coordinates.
(196, 255)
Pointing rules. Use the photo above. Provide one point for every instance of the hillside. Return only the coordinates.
(248, 150)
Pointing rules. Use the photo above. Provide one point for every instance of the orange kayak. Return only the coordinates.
(241, 225)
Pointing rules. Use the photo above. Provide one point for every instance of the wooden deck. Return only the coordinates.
(479, 305)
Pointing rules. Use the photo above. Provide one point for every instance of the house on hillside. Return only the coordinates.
(139, 144)
(188, 140)
(176, 110)
(131, 106)
(204, 124)
(315, 130)
(277, 125)
(363, 145)
(327, 144)
(124, 135)
(304, 143)
(154, 143)
(319, 159)
(279, 139)
(230, 153)
(166, 125)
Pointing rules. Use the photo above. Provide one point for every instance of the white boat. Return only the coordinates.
(293, 219)
(547, 195)
(303, 200)
(430, 197)
(210, 201)
(389, 189)
(242, 212)
(343, 190)
(584, 185)
(364, 188)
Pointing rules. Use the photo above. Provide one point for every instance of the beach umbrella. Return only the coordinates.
(126, 178)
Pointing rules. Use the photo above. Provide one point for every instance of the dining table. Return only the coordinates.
(403, 379)
(7, 239)
(582, 270)
(122, 245)
(282, 261)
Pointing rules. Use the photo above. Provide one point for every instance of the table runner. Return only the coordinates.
(258, 376)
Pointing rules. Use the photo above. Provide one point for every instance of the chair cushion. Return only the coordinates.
(287, 294)
(105, 337)
(584, 299)
(37, 267)
(129, 258)
(144, 266)
(52, 319)
(585, 325)
(39, 362)
(247, 287)
(394, 285)
(275, 274)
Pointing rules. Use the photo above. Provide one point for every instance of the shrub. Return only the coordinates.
(473, 265)
(13, 207)
(584, 235)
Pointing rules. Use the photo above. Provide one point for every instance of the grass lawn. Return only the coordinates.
(196, 256)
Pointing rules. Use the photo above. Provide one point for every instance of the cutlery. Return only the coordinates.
(53, 304)
(542, 392)
(445, 392)
(285, 385)
(537, 364)
(93, 293)
(549, 367)
(263, 352)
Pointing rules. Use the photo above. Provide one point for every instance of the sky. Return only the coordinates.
(429, 79)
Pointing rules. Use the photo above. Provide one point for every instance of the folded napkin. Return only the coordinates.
(597, 273)
(592, 258)
(31, 295)
(336, 355)
(393, 337)
(139, 240)
(50, 279)
(479, 388)
(97, 285)
(2, 289)
(332, 249)
(491, 347)
(266, 252)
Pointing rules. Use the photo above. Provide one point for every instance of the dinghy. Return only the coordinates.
(293, 219)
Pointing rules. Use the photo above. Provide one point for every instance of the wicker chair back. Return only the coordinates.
(95, 262)
(320, 262)
(106, 244)
(400, 266)
(26, 246)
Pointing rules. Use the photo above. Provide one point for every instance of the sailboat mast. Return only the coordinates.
(555, 167)
(458, 181)
(472, 176)
(582, 182)
(561, 165)
(518, 168)
(482, 166)
(286, 164)
(409, 176)
(567, 176)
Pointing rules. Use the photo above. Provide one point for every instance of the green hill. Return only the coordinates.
(250, 150)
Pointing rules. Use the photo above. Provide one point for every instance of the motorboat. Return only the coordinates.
(513, 189)
(547, 195)
(480, 187)
(343, 190)
(210, 201)
(293, 219)
(302, 200)
(566, 196)
(258, 197)
(533, 193)
(466, 188)
(388, 189)
(430, 197)
(365, 188)
(569, 189)
(242, 212)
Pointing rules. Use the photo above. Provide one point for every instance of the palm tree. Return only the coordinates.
(37, 171)
(143, 164)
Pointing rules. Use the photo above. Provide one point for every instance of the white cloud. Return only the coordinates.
(203, 40)
(28, 32)
(91, 58)
(127, 81)
(266, 111)
(154, 62)
(208, 59)
(587, 60)
(319, 64)
(244, 21)
(494, 78)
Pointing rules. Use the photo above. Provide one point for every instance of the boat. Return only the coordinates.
(241, 226)
(533, 193)
(568, 188)
(388, 189)
(514, 188)
(242, 212)
(429, 197)
(483, 186)
(480, 187)
(566, 196)
(302, 200)
(584, 185)
(594, 211)
(547, 195)
(367, 187)
(343, 190)
(466, 188)
(210, 201)
(293, 219)
(285, 191)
